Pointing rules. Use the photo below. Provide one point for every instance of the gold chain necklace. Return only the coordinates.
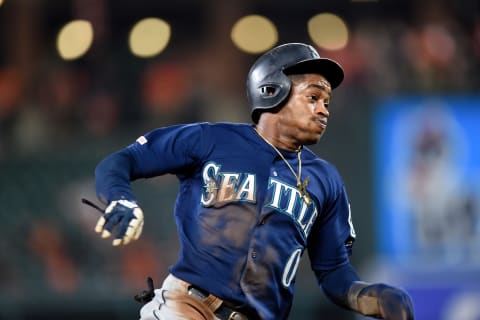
(301, 186)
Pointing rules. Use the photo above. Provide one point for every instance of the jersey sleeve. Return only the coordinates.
(332, 236)
(173, 150)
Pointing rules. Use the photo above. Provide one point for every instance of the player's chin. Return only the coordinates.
(311, 134)
(318, 132)
(313, 138)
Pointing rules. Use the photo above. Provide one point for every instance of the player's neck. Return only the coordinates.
(270, 131)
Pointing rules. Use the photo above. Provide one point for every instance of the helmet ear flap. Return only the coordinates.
(269, 95)
(269, 90)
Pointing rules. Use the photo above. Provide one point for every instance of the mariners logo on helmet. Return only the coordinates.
(268, 84)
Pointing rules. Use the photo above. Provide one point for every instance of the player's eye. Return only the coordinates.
(313, 98)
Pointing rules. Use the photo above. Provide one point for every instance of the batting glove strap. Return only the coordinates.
(380, 301)
(124, 215)
(146, 295)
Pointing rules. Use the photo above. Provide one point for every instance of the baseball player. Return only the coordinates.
(252, 199)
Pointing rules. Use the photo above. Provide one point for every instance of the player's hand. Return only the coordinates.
(394, 303)
(380, 301)
(126, 216)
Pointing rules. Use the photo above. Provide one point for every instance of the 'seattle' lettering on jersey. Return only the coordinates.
(241, 221)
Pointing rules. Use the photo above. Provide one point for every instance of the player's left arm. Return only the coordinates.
(344, 287)
(330, 245)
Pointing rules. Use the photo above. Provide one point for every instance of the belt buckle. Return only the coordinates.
(233, 315)
(197, 293)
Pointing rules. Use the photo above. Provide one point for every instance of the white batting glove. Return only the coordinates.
(127, 216)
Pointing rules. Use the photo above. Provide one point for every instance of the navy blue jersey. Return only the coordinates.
(242, 224)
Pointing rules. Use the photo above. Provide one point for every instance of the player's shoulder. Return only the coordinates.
(318, 161)
(226, 130)
(206, 127)
(225, 126)
(320, 164)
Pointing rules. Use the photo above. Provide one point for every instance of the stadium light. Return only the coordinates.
(74, 39)
(254, 34)
(149, 37)
(328, 31)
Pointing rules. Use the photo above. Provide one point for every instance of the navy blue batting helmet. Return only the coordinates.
(268, 84)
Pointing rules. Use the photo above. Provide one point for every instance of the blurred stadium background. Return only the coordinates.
(81, 78)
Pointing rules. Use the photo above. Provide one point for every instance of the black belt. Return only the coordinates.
(223, 312)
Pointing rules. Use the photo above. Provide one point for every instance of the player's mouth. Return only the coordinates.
(321, 123)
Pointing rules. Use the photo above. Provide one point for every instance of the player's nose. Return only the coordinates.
(322, 109)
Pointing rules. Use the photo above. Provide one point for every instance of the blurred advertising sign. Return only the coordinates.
(427, 164)
(427, 200)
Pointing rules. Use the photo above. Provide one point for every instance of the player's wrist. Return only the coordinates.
(121, 198)
(361, 301)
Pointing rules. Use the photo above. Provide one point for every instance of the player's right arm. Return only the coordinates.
(112, 182)
(165, 150)
(113, 175)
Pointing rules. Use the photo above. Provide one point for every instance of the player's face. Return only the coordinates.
(304, 117)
